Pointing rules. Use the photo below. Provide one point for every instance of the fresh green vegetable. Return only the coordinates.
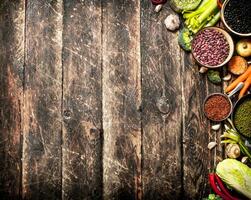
(184, 5)
(214, 76)
(242, 118)
(236, 175)
(212, 197)
(184, 39)
(207, 14)
(233, 137)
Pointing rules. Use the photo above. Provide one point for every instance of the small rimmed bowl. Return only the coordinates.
(219, 94)
(229, 41)
(225, 23)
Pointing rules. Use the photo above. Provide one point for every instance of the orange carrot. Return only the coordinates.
(241, 78)
(247, 84)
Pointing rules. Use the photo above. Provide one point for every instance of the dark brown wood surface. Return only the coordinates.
(161, 107)
(41, 177)
(82, 106)
(121, 99)
(97, 101)
(12, 22)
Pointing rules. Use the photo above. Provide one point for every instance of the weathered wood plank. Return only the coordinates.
(162, 106)
(11, 96)
(42, 101)
(82, 100)
(121, 99)
(198, 160)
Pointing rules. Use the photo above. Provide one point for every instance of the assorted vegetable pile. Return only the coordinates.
(210, 48)
(206, 14)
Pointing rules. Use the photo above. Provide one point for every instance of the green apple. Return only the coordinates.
(243, 47)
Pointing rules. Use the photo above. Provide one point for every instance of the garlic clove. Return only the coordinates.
(158, 8)
(227, 77)
(211, 145)
(216, 127)
(244, 159)
(203, 70)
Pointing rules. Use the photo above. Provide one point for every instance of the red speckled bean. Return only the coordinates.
(210, 47)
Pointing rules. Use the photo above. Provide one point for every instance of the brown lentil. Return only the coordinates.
(210, 47)
(217, 107)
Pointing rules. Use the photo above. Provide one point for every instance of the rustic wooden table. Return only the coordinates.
(97, 100)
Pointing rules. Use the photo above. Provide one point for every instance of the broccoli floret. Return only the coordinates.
(184, 5)
(185, 39)
(214, 76)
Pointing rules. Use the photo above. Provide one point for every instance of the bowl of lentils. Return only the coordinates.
(236, 16)
(212, 47)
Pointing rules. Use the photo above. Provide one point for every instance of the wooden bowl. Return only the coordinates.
(231, 47)
(225, 24)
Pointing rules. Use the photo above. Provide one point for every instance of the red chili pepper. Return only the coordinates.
(215, 188)
(223, 188)
(156, 2)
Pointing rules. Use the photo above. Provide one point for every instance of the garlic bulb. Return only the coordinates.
(172, 22)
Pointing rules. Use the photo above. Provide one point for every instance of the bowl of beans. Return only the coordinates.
(235, 15)
(212, 47)
(217, 107)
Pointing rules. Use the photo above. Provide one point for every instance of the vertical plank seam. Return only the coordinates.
(62, 99)
(23, 94)
(183, 124)
(102, 130)
(140, 109)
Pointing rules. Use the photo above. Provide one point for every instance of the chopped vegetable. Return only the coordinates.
(236, 175)
(233, 137)
(207, 14)
(184, 5)
(241, 78)
(184, 39)
(237, 65)
(247, 84)
(214, 76)
(207, 11)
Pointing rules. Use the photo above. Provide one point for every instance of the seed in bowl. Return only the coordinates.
(237, 15)
(210, 47)
(217, 107)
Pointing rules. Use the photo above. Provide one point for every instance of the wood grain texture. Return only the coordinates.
(161, 104)
(82, 100)
(11, 96)
(121, 99)
(42, 101)
(198, 159)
